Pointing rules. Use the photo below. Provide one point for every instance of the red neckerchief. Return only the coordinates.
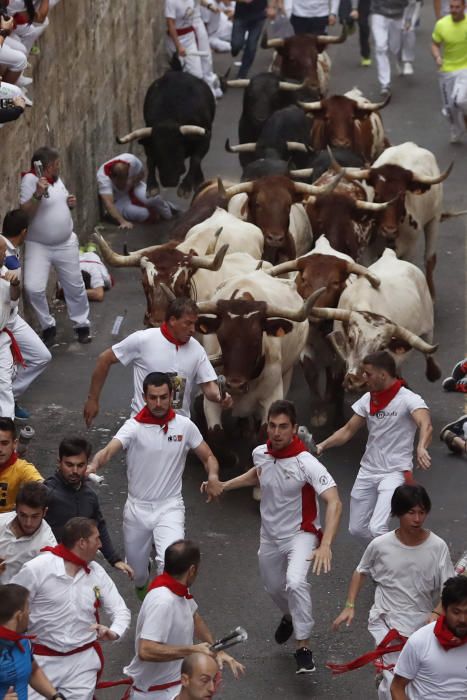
(445, 637)
(145, 416)
(393, 641)
(50, 180)
(380, 399)
(292, 450)
(64, 553)
(12, 636)
(9, 462)
(168, 336)
(108, 166)
(167, 581)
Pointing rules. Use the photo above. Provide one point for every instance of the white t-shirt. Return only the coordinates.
(289, 491)
(391, 432)
(6, 305)
(135, 173)
(156, 460)
(408, 579)
(314, 8)
(168, 619)
(16, 551)
(181, 11)
(52, 223)
(149, 351)
(91, 263)
(435, 674)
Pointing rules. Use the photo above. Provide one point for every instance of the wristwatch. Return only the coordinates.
(58, 696)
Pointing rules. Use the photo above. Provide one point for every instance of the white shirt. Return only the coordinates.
(6, 305)
(91, 263)
(20, 6)
(181, 11)
(168, 619)
(391, 432)
(156, 460)
(52, 223)
(408, 579)
(135, 173)
(436, 674)
(16, 551)
(62, 606)
(149, 351)
(286, 498)
(314, 8)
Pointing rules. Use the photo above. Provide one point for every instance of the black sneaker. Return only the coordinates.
(83, 335)
(48, 335)
(304, 659)
(456, 427)
(284, 630)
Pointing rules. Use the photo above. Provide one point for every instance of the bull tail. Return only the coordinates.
(451, 214)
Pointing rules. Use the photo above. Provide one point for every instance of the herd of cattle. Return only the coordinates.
(307, 259)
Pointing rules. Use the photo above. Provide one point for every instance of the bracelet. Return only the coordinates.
(349, 604)
(38, 197)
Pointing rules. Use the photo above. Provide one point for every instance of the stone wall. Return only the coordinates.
(96, 61)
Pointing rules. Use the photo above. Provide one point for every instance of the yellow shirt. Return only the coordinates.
(453, 36)
(12, 478)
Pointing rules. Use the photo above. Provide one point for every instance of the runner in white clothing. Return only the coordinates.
(9, 351)
(170, 349)
(409, 567)
(432, 665)
(291, 537)
(123, 192)
(392, 414)
(198, 676)
(157, 441)
(181, 37)
(51, 241)
(67, 589)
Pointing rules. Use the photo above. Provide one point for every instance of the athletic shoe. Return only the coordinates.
(366, 62)
(407, 68)
(48, 335)
(23, 81)
(385, 92)
(284, 630)
(455, 136)
(461, 565)
(35, 51)
(83, 335)
(304, 659)
(141, 592)
(21, 413)
(449, 384)
(456, 427)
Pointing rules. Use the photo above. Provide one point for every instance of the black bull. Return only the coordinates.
(178, 111)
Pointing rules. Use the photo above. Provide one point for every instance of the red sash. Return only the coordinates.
(145, 416)
(380, 399)
(64, 553)
(445, 637)
(9, 462)
(168, 336)
(185, 30)
(13, 636)
(20, 18)
(15, 349)
(167, 581)
(384, 647)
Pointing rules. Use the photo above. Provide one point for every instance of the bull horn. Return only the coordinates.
(310, 106)
(304, 172)
(325, 39)
(296, 146)
(425, 180)
(357, 173)
(450, 214)
(337, 167)
(290, 87)
(364, 272)
(275, 43)
(113, 258)
(206, 262)
(239, 83)
(216, 360)
(372, 206)
(259, 265)
(414, 340)
(241, 147)
(192, 130)
(303, 188)
(296, 314)
(207, 307)
(242, 187)
(374, 106)
(331, 314)
(142, 133)
(167, 291)
(221, 188)
(282, 268)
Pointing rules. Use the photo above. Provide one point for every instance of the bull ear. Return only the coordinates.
(398, 346)
(417, 187)
(207, 324)
(277, 327)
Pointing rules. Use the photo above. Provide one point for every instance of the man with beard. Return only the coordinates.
(157, 441)
(432, 664)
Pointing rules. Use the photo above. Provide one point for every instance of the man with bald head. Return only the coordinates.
(199, 672)
(123, 192)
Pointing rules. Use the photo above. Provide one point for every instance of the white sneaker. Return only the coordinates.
(218, 93)
(455, 137)
(24, 81)
(407, 68)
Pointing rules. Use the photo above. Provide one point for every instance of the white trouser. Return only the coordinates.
(190, 63)
(132, 212)
(65, 259)
(219, 40)
(219, 45)
(34, 352)
(378, 630)
(283, 567)
(454, 111)
(28, 34)
(370, 503)
(167, 694)
(202, 39)
(74, 675)
(144, 523)
(7, 373)
(12, 56)
(387, 37)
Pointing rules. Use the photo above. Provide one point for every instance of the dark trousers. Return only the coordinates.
(251, 29)
(309, 25)
(345, 8)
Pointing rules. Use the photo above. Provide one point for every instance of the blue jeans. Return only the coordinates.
(252, 28)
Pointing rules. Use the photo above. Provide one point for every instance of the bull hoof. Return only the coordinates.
(433, 370)
(183, 191)
(318, 419)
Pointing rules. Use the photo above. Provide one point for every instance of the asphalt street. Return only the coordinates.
(228, 589)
